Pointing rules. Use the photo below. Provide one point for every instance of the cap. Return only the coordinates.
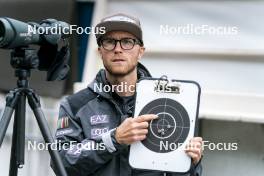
(120, 22)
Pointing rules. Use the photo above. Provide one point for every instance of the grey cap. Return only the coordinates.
(120, 22)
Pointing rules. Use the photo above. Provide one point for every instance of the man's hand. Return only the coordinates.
(194, 149)
(133, 129)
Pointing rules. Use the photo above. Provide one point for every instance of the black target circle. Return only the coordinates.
(171, 126)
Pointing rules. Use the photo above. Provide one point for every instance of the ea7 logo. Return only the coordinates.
(98, 119)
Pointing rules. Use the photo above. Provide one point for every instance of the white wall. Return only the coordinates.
(248, 160)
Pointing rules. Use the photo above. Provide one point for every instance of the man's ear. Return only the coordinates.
(99, 51)
(141, 52)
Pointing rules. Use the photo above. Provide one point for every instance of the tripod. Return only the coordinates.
(23, 60)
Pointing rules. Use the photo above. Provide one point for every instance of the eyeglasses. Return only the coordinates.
(125, 43)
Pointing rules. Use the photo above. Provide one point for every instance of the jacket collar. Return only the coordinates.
(100, 79)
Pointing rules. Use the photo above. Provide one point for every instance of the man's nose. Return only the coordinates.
(118, 48)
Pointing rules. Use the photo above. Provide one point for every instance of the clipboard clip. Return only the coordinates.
(163, 85)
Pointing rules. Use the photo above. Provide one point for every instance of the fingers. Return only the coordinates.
(196, 157)
(145, 118)
(194, 149)
(134, 129)
(135, 125)
(141, 125)
(194, 145)
(197, 139)
(136, 138)
(138, 132)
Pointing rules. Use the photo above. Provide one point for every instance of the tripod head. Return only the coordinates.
(23, 59)
(50, 58)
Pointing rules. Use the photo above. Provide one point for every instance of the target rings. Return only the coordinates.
(171, 126)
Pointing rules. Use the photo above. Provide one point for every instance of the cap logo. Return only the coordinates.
(120, 18)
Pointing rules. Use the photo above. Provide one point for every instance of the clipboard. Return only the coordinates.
(176, 102)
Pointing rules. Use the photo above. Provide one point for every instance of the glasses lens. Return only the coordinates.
(108, 44)
(127, 43)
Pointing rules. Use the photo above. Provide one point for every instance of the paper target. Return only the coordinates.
(172, 124)
(176, 104)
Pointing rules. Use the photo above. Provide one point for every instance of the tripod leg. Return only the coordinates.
(13, 158)
(5, 120)
(11, 101)
(18, 140)
(44, 128)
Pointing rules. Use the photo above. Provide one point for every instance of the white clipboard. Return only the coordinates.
(176, 102)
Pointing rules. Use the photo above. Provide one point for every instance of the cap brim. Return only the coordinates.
(120, 26)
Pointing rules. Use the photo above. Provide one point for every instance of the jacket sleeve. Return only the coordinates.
(82, 156)
(196, 170)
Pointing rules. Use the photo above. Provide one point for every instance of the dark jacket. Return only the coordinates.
(87, 119)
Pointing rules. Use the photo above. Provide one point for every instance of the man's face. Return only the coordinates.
(118, 61)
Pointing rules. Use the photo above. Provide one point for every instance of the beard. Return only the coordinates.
(120, 70)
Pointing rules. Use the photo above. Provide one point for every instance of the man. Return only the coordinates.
(99, 121)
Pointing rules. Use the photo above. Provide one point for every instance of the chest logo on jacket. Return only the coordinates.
(99, 119)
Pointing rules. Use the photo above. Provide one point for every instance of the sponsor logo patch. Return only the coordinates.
(95, 132)
(99, 119)
(64, 131)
